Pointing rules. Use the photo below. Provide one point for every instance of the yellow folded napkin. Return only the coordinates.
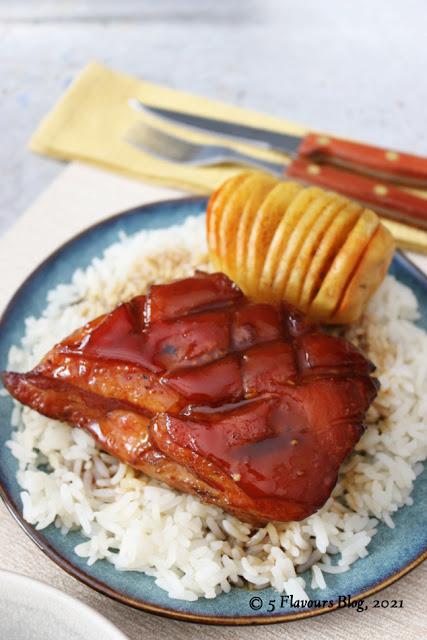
(90, 121)
(92, 118)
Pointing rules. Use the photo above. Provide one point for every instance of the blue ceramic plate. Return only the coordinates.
(392, 552)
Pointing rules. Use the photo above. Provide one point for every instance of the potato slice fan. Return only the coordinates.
(315, 249)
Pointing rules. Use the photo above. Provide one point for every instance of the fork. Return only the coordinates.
(174, 149)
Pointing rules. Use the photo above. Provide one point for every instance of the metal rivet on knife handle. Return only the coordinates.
(323, 140)
(392, 156)
(380, 190)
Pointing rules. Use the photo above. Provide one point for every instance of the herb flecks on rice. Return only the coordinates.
(196, 550)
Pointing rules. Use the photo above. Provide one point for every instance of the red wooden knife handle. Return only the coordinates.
(384, 164)
(388, 201)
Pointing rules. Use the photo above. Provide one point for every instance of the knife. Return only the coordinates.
(393, 166)
(328, 162)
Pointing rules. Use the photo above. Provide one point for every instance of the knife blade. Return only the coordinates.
(308, 164)
(260, 137)
(384, 164)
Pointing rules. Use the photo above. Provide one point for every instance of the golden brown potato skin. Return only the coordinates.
(315, 249)
(246, 404)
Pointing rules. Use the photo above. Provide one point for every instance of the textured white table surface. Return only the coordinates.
(355, 68)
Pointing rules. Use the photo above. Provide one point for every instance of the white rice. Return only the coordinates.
(196, 550)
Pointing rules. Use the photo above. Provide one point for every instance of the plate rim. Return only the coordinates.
(104, 588)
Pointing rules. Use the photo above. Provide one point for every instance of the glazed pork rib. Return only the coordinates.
(247, 405)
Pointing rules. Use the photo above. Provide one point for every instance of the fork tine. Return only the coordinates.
(160, 143)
